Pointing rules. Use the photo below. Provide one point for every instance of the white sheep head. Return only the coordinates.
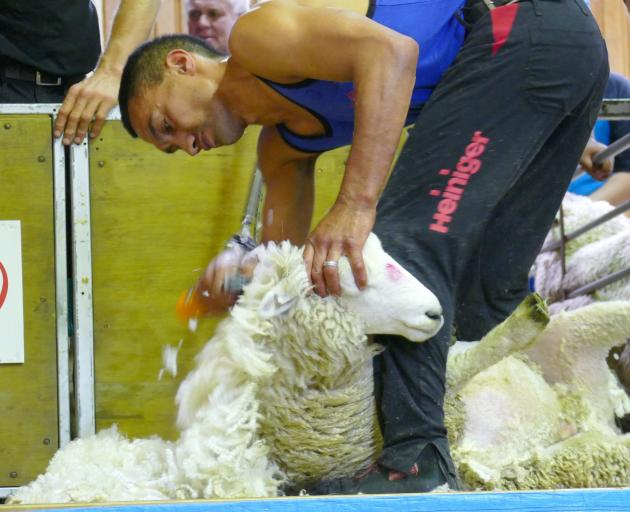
(394, 301)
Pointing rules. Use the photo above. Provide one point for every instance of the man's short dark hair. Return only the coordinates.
(145, 67)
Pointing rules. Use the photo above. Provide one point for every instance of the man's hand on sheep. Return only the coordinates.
(212, 288)
(598, 171)
(342, 232)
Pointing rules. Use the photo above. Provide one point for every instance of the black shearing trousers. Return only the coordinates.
(475, 190)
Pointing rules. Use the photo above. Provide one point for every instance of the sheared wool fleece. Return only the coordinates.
(218, 456)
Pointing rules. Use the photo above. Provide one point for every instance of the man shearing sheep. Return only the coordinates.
(503, 95)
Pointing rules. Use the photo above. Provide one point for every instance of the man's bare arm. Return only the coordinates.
(289, 184)
(616, 190)
(332, 44)
(287, 213)
(95, 96)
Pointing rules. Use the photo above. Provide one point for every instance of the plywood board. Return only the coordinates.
(614, 22)
(157, 220)
(28, 392)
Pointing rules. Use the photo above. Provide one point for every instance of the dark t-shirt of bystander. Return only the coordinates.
(60, 37)
(618, 87)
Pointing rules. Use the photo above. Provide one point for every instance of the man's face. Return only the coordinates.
(212, 20)
(181, 114)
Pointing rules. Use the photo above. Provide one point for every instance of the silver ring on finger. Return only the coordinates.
(330, 264)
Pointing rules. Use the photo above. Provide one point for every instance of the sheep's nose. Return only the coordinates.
(434, 314)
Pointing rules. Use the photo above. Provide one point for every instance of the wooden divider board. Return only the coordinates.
(28, 392)
(156, 221)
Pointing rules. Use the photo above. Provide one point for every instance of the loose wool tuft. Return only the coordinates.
(103, 467)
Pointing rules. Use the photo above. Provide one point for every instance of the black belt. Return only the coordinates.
(16, 71)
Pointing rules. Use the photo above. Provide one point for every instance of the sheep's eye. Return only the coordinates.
(167, 127)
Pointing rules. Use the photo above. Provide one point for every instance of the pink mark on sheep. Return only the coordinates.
(394, 272)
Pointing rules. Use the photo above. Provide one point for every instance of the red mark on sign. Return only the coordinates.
(5, 285)
(393, 272)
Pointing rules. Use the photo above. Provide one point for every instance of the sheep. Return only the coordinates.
(264, 384)
(321, 403)
(543, 416)
(593, 255)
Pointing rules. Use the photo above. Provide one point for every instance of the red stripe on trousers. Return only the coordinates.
(502, 22)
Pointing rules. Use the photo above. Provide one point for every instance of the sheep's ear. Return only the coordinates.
(276, 302)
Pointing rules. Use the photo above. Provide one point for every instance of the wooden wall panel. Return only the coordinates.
(29, 431)
(156, 221)
(614, 22)
(171, 18)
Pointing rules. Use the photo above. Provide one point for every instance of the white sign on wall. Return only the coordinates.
(11, 296)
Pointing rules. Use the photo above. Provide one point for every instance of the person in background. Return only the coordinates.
(212, 20)
(599, 183)
(47, 47)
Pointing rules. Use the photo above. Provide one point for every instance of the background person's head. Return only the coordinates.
(167, 96)
(212, 20)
